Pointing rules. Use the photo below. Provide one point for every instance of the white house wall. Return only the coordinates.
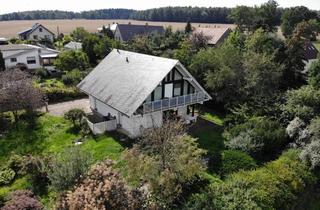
(135, 124)
(41, 35)
(22, 58)
(117, 35)
(131, 125)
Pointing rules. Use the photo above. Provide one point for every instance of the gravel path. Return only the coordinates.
(59, 109)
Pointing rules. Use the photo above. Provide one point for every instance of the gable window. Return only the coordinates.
(35, 36)
(13, 60)
(31, 60)
(177, 89)
(40, 29)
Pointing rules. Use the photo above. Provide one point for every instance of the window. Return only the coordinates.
(13, 60)
(158, 93)
(35, 36)
(31, 60)
(40, 29)
(177, 75)
(177, 89)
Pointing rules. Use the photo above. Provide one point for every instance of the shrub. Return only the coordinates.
(56, 94)
(273, 186)
(314, 128)
(41, 72)
(297, 131)
(16, 163)
(69, 60)
(167, 159)
(314, 74)
(102, 189)
(72, 78)
(6, 176)
(22, 200)
(259, 136)
(35, 168)
(311, 154)
(303, 103)
(75, 116)
(85, 129)
(65, 170)
(233, 161)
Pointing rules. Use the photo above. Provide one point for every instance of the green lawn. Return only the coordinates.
(51, 136)
(212, 116)
(210, 138)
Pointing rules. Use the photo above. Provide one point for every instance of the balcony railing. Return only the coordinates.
(169, 103)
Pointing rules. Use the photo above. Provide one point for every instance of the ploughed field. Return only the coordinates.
(10, 29)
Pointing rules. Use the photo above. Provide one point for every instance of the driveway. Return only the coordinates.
(59, 109)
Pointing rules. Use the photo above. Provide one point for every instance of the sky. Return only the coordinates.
(8, 6)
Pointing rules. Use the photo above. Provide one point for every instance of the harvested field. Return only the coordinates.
(10, 29)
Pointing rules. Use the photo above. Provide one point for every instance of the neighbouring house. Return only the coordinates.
(215, 34)
(310, 54)
(73, 46)
(37, 33)
(112, 27)
(126, 32)
(3, 41)
(32, 56)
(130, 91)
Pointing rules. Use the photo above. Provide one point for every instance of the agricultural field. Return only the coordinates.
(10, 29)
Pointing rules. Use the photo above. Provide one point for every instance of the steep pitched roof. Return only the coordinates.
(123, 79)
(34, 27)
(215, 34)
(129, 31)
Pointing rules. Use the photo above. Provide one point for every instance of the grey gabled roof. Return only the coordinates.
(123, 79)
(34, 27)
(129, 31)
(73, 45)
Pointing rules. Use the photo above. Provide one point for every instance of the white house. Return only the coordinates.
(37, 33)
(130, 91)
(33, 56)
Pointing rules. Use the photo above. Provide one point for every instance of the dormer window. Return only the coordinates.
(40, 29)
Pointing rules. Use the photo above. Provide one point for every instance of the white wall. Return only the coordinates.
(23, 59)
(117, 35)
(41, 35)
(135, 124)
(131, 125)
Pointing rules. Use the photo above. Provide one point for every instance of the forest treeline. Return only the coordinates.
(169, 14)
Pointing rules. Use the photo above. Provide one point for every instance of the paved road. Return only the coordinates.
(59, 109)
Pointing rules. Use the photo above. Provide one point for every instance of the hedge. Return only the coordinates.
(57, 94)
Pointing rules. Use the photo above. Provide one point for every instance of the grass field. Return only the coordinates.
(10, 29)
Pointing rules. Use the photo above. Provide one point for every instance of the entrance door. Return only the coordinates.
(168, 89)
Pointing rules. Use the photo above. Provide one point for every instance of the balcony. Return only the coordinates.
(169, 103)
